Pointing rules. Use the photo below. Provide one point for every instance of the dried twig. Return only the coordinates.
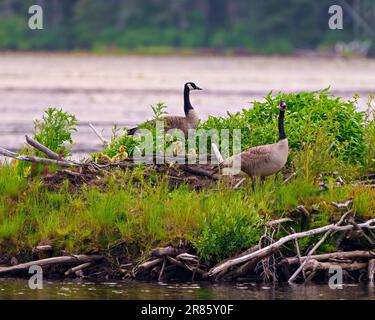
(344, 205)
(290, 177)
(51, 261)
(298, 251)
(278, 221)
(239, 183)
(99, 135)
(162, 269)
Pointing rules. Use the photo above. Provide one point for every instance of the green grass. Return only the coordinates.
(218, 223)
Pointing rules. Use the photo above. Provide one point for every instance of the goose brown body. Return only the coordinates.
(183, 123)
(190, 121)
(264, 160)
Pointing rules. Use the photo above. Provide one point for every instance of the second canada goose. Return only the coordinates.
(189, 121)
(265, 160)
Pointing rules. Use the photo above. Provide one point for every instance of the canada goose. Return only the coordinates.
(191, 119)
(263, 160)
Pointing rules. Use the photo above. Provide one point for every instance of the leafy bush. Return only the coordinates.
(55, 130)
(225, 232)
(309, 114)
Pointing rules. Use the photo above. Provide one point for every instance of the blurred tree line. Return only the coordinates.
(268, 26)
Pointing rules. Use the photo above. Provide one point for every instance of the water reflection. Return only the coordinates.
(18, 289)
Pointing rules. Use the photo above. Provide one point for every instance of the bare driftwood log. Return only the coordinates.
(8, 153)
(78, 268)
(335, 255)
(243, 269)
(266, 251)
(316, 246)
(147, 265)
(316, 265)
(187, 257)
(43, 248)
(167, 251)
(63, 163)
(51, 261)
(42, 148)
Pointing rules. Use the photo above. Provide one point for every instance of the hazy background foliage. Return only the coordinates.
(270, 26)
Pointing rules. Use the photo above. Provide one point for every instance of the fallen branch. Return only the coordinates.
(167, 251)
(334, 255)
(278, 221)
(187, 257)
(344, 205)
(8, 153)
(51, 261)
(42, 148)
(43, 248)
(78, 268)
(266, 251)
(314, 265)
(63, 163)
(147, 265)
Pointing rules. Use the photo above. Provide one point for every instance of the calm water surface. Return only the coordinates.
(18, 289)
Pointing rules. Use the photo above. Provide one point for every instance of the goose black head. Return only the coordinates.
(192, 86)
(282, 105)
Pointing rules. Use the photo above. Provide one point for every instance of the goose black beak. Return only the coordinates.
(197, 88)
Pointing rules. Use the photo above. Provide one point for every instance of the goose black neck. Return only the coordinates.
(282, 134)
(187, 104)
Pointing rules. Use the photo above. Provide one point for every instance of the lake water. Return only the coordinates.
(18, 289)
(106, 90)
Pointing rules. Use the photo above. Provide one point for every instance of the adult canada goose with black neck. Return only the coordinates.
(184, 123)
(265, 160)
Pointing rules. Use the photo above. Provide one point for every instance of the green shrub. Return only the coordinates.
(55, 130)
(228, 228)
(308, 114)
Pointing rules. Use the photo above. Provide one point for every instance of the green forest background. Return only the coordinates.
(259, 26)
